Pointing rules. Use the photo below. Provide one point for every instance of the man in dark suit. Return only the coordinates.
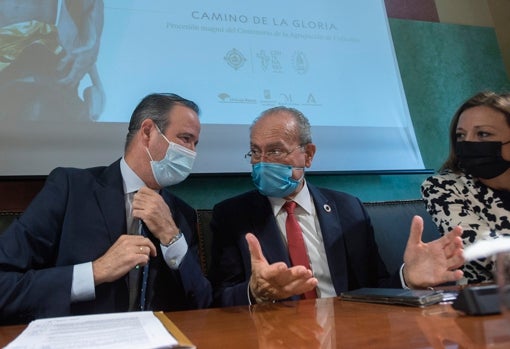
(252, 262)
(93, 235)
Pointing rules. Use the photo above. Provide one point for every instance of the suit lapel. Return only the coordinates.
(266, 230)
(328, 215)
(110, 197)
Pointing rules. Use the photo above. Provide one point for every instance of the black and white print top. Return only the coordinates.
(483, 213)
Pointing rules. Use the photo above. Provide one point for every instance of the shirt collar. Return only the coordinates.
(130, 180)
(303, 199)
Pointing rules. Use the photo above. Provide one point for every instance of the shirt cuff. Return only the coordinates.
(248, 293)
(174, 253)
(402, 281)
(82, 288)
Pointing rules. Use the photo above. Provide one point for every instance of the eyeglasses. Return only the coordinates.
(272, 155)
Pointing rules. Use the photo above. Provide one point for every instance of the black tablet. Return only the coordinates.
(401, 296)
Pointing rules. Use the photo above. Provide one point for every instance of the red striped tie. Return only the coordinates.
(296, 244)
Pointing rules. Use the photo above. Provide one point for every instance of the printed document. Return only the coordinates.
(118, 330)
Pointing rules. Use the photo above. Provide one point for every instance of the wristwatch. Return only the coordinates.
(174, 239)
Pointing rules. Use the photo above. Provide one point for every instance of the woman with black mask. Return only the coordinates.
(473, 187)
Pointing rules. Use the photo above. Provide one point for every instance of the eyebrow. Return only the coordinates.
(270, 145)
(478, 126)
(187, 134)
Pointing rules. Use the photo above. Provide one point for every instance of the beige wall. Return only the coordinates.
(468, 12)
(500, 10)
(485, 13)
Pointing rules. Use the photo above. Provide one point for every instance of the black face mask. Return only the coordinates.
(481, 159)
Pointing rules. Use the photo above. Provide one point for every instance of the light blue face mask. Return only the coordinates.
(274, 179)
(175, 166)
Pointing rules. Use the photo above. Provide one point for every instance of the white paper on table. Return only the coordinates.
(486, 248)
(140, 330)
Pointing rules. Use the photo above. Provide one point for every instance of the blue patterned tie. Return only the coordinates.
(138, 276)
(145, 271)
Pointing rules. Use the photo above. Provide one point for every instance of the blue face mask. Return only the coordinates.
(175, 166)
(274, 179)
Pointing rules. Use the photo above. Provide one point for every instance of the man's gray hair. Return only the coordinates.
(304, 129)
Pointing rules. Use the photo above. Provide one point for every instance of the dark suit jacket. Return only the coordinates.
(351, 250)
(75, 218)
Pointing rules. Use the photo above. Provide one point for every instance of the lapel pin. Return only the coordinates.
(327, 208)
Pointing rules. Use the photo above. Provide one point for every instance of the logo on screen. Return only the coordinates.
(235, 59)
(300, 62)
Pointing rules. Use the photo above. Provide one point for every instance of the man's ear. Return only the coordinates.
(146, 130)
(310, 149)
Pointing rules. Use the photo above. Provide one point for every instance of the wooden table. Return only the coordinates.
(333, 323)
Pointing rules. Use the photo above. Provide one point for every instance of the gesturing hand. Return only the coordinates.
(276, 281)
(125, 254)
(433, 263)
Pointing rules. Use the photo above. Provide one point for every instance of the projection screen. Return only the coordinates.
(71, 72)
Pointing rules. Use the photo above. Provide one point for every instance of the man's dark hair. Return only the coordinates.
(156, 107)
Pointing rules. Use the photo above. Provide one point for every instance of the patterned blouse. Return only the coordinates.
(459, 199)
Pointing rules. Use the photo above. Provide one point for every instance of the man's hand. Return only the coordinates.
(150, 207)
(433, 263)
(125, 254)
(276, 281)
